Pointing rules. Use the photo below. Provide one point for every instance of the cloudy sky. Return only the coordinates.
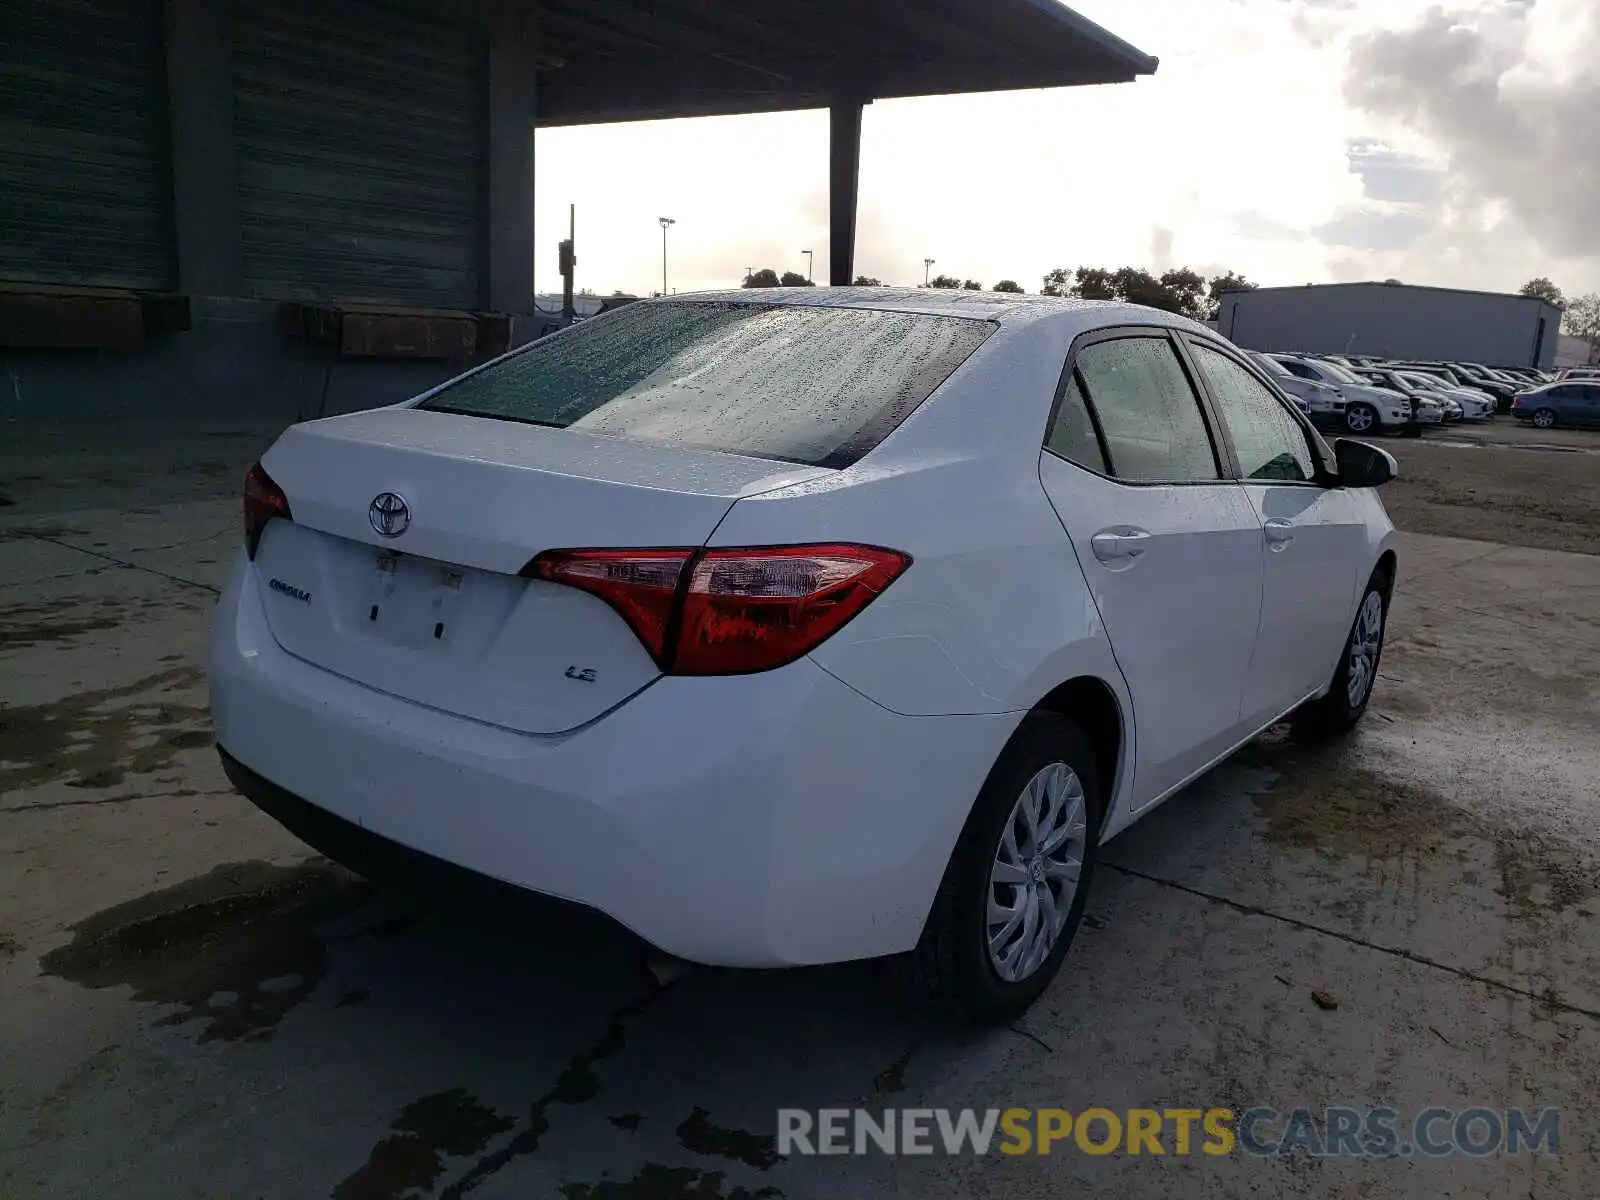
(1293, 141)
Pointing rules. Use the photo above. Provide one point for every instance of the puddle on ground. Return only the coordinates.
(24, 625)
(657, 1182)
(235, 949)
(17, 533)
(449, 1123)
(757, 1150)
(96, 739)
(1323, 801)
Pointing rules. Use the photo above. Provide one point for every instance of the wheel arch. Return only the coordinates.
(1092, 703)
(1384, 570)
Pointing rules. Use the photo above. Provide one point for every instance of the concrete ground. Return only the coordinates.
(191, 1005)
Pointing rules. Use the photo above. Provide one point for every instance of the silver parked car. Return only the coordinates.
(1366, 408)
(1319, 401)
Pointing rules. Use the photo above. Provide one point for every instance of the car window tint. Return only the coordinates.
(1269, 442)
(1299, 368)
(1072, 436)
(811, 385)
(1154, 432)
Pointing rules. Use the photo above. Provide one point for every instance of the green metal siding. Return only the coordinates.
(83, 181)
(360, 134)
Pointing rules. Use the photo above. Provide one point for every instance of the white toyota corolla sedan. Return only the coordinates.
(796, 627)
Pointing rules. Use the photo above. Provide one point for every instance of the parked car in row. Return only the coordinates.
(1573, 401)
(1367, 408)
(1458, 375)
(1458, 403)
(1321, 402)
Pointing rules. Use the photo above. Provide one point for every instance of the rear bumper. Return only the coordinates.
(765, 820)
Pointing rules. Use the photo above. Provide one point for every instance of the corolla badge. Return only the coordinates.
(389, 514)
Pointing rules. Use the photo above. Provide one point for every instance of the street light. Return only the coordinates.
(666, 224)
(927, 266)
(807, 253)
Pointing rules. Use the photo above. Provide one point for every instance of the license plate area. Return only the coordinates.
(425, 605)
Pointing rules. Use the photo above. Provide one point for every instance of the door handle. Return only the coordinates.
(1279, 532)
(1119, 545)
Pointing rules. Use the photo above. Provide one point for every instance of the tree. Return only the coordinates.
(867, 281)
(945, 281)
(1009, 285)
(794, 279)
(1095, 283)
(1188, 289)
(766, 277)
(1582, 319)
(1219, 287)
(972, 285)
(1543, 289)
(1179, 290)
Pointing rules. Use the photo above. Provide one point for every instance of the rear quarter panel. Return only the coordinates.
(994, 611)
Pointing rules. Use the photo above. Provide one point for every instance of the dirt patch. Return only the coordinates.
(96, 739)
(1326, 803)
(426, 1131)
(235, 949)
(1499, 493)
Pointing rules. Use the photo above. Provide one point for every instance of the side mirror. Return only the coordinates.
(1363, 465)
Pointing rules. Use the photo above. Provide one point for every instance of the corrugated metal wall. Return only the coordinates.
(1390, 320)
(360, 153)
(83, 182)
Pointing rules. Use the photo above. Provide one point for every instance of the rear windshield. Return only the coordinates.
(820, 386)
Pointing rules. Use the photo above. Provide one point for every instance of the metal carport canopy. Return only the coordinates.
(629, 60)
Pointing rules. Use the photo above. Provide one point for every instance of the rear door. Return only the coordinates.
(1311, 540)
(1171, 550)
(1583, 406)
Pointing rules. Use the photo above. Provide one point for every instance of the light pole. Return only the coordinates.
(927, 266)
(666, 224)
(807, 253)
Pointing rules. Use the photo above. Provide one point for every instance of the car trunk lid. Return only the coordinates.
(433, 608)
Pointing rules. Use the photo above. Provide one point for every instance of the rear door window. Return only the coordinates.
(820, 386)
(1072, 434)
(1150, 421)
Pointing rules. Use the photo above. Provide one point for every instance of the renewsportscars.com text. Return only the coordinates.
(1262, 1132)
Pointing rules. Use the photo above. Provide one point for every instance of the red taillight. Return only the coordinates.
(263, 500)
(642, 585)
(729, 612)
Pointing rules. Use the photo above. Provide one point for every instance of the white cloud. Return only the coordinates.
(1236, 154)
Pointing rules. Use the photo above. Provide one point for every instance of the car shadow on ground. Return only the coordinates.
(484, 1035)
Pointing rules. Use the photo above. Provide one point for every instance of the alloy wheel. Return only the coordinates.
(1034, 877)
(1544, 418)
(1358, 418)
(1365, 641)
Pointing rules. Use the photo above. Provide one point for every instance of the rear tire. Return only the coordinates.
(1545, 418)
(954, 966)
(1342, 708)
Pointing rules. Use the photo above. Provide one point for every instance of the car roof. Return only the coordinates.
(1007, 308)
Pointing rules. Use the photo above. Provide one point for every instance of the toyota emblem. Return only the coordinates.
(389, 514)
